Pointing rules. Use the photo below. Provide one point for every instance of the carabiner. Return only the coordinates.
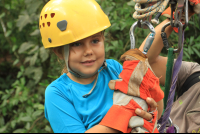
(180, 34)
(177, 7)
(150, 39)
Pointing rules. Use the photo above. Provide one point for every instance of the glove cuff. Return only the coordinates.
(133, 54)
(117, 118)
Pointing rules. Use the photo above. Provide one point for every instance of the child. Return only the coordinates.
(79, 99)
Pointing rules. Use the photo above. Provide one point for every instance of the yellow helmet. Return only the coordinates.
(66, 21)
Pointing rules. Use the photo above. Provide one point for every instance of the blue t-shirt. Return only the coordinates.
(69, 112)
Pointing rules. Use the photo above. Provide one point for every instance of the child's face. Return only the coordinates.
(87, 56)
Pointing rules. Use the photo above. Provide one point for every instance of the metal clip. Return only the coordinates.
(149, 39)
(180, 34)
(178, 8)
(186, 15)
(178, 12)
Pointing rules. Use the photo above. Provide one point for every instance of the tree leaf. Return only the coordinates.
(39, 106)
(28, 125)
(33, 5)
(8, 33)
(47, 128)
(25, 46)
(27, 59)
(33, 59)
(9, 24)
(2, 122)
(2, 15)
(131, 3)
(37, 113)
(191, 40)
(15, 62)
(187, 55)
(190, 50)
(29, 70)
(13, 123)
(19, 131)
(196, 51)
(23, 20)
(26, 118)
(36, 32)
(33, 50)
(107, 10)
(3, 129)
(44, 55)
(38, 74)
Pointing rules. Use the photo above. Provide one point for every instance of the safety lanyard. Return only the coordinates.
(168, 77)
(170, 82)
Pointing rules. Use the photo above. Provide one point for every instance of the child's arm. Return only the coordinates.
(158, 63)
(101, 129)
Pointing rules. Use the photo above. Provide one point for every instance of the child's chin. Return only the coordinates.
(90, 74)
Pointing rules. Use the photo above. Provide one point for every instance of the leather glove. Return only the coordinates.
(138, 80)
(120, 113)
(137, 77)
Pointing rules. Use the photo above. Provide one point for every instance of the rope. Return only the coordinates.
(158, 8)
(171, 95)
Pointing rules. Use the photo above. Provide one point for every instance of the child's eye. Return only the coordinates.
(75, 44)
(95, 41)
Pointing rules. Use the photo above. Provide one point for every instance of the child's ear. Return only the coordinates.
(58, 52)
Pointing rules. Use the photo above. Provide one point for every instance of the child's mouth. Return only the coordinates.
(88, 63)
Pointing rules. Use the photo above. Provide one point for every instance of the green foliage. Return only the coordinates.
(26, 68)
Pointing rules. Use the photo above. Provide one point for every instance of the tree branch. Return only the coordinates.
(35, 123)
(8, 40)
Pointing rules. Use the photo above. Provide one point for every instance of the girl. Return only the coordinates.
(80, 98)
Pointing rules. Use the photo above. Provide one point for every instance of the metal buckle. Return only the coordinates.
(169, 124)
(150, 39)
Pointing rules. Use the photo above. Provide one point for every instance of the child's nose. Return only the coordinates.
(88, 50)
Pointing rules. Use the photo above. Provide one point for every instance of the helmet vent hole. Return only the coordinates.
(48, 23)
(43, 24)
(40, 26)
(41, 17)
(45, 16)
(52, 15)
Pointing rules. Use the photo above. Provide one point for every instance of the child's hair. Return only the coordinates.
(60, 48)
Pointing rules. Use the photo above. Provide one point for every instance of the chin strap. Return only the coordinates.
(66, 54)
(103, 66)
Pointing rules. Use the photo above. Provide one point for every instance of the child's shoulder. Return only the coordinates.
(59, 85)
(112, 62)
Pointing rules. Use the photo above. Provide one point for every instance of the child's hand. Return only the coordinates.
(145, 115)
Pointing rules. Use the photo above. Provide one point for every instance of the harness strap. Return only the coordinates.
(190, 81)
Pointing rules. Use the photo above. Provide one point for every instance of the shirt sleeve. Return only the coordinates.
(60, 112)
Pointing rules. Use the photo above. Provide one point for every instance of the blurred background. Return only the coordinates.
(26, 68)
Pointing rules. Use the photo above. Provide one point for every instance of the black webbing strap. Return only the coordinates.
(190, 81)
